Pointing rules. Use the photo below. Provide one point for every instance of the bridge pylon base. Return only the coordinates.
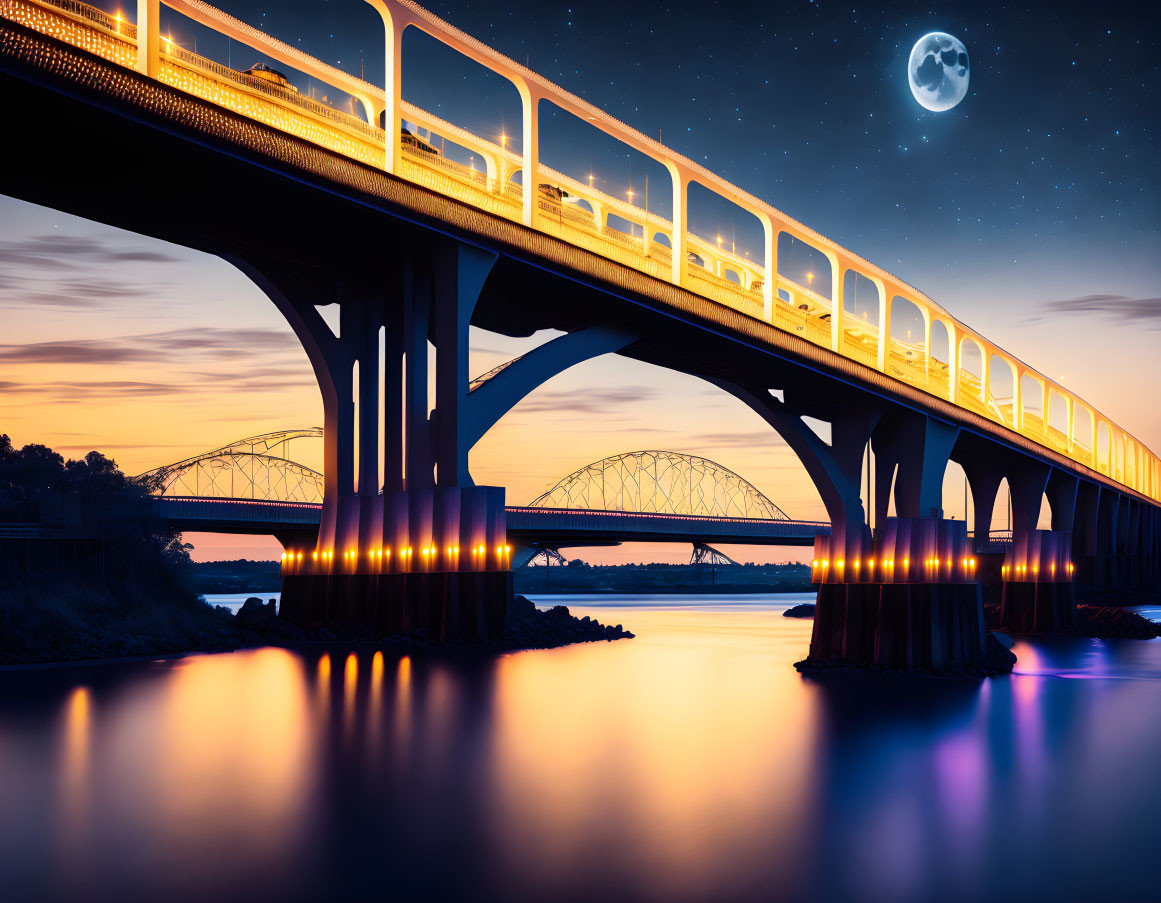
(1030, 603)
(925, 627)
(441, 607)
(1038, 607)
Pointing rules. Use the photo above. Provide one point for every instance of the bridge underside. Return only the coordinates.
(312, 228)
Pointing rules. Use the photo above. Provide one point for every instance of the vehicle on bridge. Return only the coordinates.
(271, 75)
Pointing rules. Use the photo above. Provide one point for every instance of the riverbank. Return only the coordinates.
(71, 624)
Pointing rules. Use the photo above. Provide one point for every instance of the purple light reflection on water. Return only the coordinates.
(692, 763)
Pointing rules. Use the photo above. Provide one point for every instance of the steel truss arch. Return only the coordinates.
(661, 482)
(245, 469)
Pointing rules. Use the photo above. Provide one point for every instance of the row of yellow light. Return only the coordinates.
(886, 563)
(429, 552)
(1022, 570)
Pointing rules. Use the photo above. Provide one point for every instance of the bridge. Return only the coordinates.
(428, 246)
(645, 496)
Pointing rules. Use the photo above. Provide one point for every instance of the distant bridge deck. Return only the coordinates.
(545, 526)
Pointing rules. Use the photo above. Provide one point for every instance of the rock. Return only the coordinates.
(1106, 622)
(531, 628)
(1096, 621)
(998, 656)
(805, 610)
(261, 618)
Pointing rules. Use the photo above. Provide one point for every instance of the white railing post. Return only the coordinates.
(392, 83)
(836, 304)
(149, 37)
(985, 369)
(926, 346)
(530, 149)
(770, 258)
(1017, 404)
(884, 327)
(952, 363)
(679, 238)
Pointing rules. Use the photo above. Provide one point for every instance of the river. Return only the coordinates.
(690, 763)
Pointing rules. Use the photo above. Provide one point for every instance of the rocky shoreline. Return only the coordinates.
(76, 631)
(1101, 622)
(528, 628)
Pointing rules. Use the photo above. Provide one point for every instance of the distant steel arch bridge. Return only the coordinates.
(253, 486)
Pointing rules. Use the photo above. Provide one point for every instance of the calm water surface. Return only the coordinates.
(692, 763)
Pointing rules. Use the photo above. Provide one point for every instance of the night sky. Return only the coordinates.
(1031, 211)
(1051, 156)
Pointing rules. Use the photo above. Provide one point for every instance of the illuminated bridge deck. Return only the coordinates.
(913, 348)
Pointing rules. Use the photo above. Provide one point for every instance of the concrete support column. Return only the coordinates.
(369, 381)
(460, 275)
(416, 329)
(1027, 482)
(1133, 545)
(1122, 544)
(1107, 572)
(924, 448)
(1084, 532)
(984, 478)
(1062, 491)
(393, 413)
(886, 461)
(149, 38)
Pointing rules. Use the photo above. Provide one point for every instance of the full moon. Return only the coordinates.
(938, 71)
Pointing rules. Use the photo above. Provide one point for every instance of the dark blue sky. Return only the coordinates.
(807, 106)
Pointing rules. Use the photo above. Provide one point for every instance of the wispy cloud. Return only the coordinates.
(598, 401)
(182, 346)
(1145, 311)
(741, 439)
(76, 272)
(68, 251)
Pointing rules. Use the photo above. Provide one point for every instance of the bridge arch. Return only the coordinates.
(246, 469)
(662, 482)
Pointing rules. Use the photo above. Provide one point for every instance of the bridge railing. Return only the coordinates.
(1105, 447)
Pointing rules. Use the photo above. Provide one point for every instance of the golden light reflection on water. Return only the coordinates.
(375, 708)
(75, 789)
(690, 763)
(403, 703)
(235, 737)
(350, 689)
(697, 735)
(323, 684)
